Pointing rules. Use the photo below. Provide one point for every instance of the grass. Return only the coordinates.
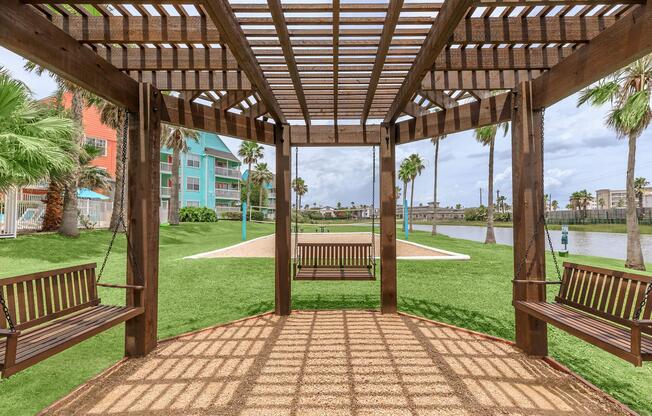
(604, 228)
(193, 294)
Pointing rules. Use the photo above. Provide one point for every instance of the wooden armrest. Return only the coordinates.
(642, 322)
(538, 282)
(8, 332)
(134, 287)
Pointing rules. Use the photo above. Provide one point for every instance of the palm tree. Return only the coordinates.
(397, 192)
(417, 168)
(92, 177)
(629, 92)
(435, 141)
(300, 188)
(176, 138)
(251, 153)
(555, 205)
(487, 136)
(501, 201)
(404, 175)
(35, 141)
(260, 176)
(69, 219)
(639, 189)
(581, 200)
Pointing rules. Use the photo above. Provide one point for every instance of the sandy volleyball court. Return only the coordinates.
(264, 247)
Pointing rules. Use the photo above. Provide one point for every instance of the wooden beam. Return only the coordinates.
(492, 110)
(256, 110)
(276, 10)
(441, 99)
(283, 252)
(413, 109)
(388, 299)
(391, 19)
(528, 211)
(232, 98)
(336, 58)
(143, 220)
(450, 14)
(172, 59)
(194, 80)
(477, 80)
(341, 135)
(624, 42)
(201, 117)
(27, 33)
(224, 19)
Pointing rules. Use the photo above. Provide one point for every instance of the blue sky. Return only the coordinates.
(581, 153)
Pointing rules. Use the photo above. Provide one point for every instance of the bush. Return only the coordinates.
(197, 214)
(237, 216)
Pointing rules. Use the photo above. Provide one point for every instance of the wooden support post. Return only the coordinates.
(388, 219)
(283, 287)
(528, 207)
(143, 219)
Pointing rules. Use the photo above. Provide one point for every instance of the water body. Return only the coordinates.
(613, 245)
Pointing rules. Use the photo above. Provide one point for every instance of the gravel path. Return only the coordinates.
(334, 363)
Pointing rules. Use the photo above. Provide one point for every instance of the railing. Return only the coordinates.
(166, 191)
(227, 208)
(271, 195)
(166, 167)
(227, 193)
(227, 172)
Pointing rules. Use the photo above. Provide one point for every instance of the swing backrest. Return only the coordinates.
(36, 298)
(335, 255)
(610, 294)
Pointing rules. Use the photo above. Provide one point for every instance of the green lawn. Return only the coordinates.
(603, 228)
(475, 294)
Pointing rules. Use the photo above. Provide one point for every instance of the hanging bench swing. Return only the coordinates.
(335, 261)
(48, 312)
(606, 308)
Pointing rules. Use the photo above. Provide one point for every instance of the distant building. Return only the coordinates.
(610, 198)
(424, 213)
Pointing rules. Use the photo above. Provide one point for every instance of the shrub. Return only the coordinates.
(237, 216)
(197, 214)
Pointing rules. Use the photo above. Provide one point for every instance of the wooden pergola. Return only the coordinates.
(324, 73)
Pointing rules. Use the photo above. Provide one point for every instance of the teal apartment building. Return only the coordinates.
(209, 175)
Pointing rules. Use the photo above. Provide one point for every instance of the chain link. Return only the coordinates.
(10, 321)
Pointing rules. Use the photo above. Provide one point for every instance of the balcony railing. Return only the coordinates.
(165, 191)
(227, 172)
(166, 167)
(227, 193)
(227, 208)
(271, 195)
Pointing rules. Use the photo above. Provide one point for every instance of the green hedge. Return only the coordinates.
(237, 216)
(197, 214)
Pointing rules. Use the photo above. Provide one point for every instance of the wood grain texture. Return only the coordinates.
(388, 299)
(283, 278)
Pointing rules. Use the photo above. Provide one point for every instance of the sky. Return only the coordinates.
(580, 153)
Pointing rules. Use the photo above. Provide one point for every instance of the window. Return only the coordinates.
(192, 183)
(193, 161)
(192, 203)
(100, 144)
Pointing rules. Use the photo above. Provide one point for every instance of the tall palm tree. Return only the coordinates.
(417, 167)
(92, 177)
(251, 153)
(487, 137)
(435, 141)
(35, 141)
(404, 175)
(260, 176)
(629, 93)
(176, 138)
(300, 188)
(580, 200)
(555, 204)
(639, 189)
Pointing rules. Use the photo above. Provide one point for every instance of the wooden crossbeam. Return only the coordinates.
(627, 40)
(194, 80)
(224, 19)
(343, 135)
(25, 32)
(391, 19)
(256, 110)
(451, 13)
(476, 80)
(336, 57)
(492, 110)
(441, 99)
(153, 59)
(231, 99)
(413, 109)
(200, 30)
(284, 38)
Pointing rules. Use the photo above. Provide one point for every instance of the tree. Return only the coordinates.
(555, 205)
(417, 166)
(35, 141)
(397, 192)
(601, 203)
(501, 202)
(435, 141)
(92, 177)
(639, 189)
(176, 139)
(629, 92)
(487, 136)
(260, 176)
(300, 188)
(404, 175)
(580, 200)
(251, 153)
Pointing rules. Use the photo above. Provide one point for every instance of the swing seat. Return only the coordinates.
(598, 306)
(334, 261)
(54, 310)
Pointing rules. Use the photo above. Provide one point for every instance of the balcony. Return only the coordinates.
(227, 193)
(271, 195)
(165, 191)
(166, 167)
(227, 172)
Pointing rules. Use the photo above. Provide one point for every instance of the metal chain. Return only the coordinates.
(639, 310)
(123, 170)
(10, 321)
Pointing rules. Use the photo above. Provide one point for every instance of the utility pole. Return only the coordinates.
(480, 196)
(498, 198)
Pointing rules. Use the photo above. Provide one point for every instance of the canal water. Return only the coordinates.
(613, 245)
